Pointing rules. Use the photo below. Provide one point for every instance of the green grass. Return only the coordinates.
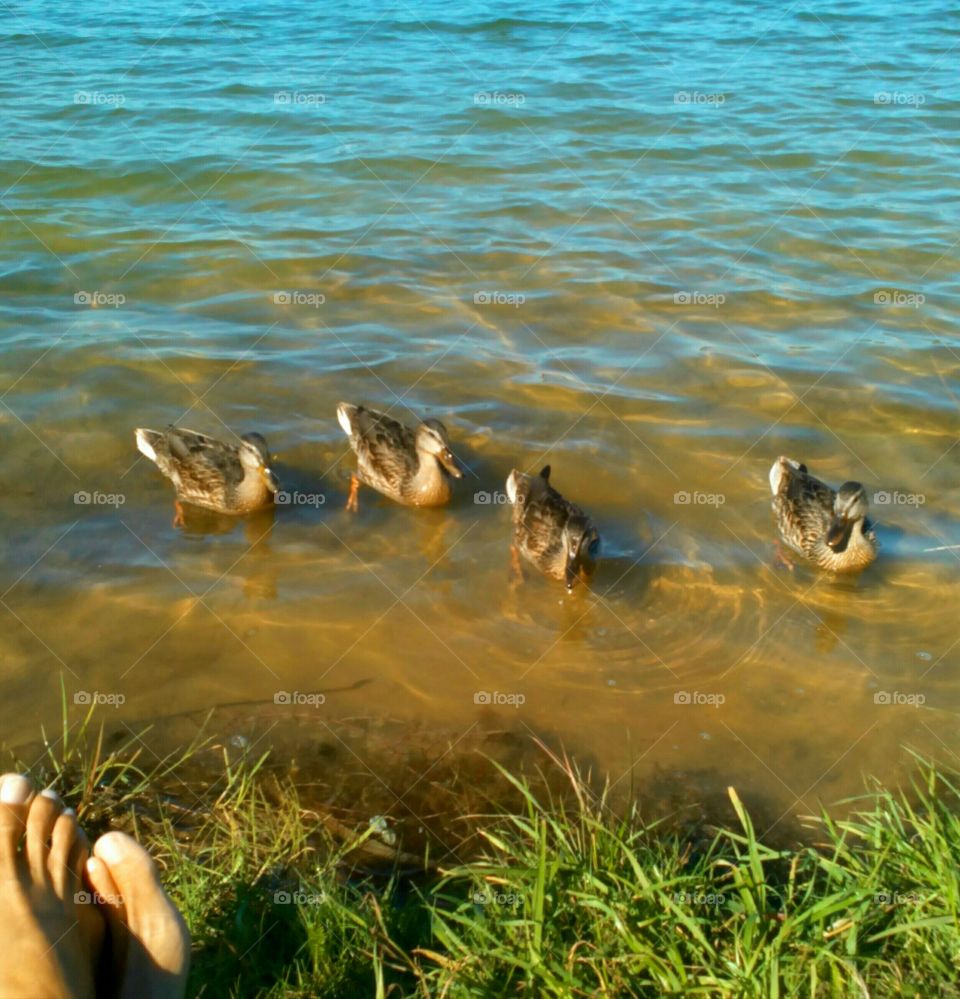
(563, 897)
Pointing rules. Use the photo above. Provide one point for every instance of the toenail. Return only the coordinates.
(69, 813)
(48, 792)
(15, 790)
(109, 848)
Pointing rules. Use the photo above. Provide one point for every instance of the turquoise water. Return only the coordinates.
(655, 247)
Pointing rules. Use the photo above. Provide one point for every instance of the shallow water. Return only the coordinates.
(654, 249)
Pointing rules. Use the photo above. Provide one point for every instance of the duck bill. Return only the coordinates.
(270, 480)
(839, 533)
(450, 463)
(572, 573)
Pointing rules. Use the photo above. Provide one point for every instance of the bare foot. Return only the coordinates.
(51, 938)
(148, 937)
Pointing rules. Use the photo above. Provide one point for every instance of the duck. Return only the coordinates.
(827, 527)
(228, 478)
(413, 467)
(549, 531)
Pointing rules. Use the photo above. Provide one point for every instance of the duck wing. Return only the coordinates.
(198, 454)
(804, 508)
(540, 525)
(386, 450)
(203, 469)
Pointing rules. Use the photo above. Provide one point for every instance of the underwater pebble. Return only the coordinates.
(925, 656)
(239, 741)
(611, 683)
(706, 736)
(378, 824)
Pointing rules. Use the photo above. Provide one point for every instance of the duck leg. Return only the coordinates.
(516, 569)
(781, 558)
(178, 520)
(352, 503)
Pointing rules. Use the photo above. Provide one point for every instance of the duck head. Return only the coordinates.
(849, 508)
(255, 456)
(432, 439)
(581, 545)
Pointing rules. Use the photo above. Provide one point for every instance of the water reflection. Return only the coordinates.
(655, 298)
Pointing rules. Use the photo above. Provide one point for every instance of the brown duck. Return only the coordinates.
(415, 467)
(549, 531)
(228, 478)
(825, 526)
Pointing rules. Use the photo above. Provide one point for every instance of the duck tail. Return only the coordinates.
(147, 441)
(346, 412)
(779, 471)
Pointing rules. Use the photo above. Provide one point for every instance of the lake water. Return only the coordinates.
(654, 248)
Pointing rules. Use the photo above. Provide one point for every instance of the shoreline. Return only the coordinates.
(550, 887)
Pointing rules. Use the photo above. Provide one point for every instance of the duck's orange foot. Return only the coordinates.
(781, 559)
(516, 569)
(352, 503)
(178, 520)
